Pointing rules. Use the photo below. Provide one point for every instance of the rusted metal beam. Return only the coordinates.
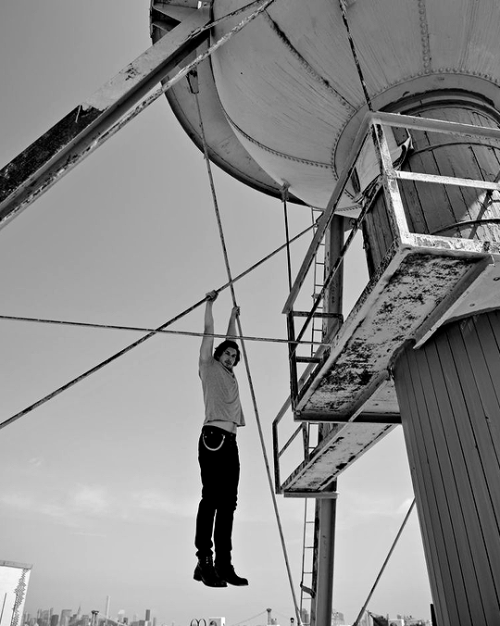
(68, 142)
(397, 120)
(321, 314)
(322, 495)
(361, 418)
(446, 180)
(308, 359)
(396, 213)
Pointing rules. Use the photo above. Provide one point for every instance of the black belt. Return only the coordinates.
(228, 434)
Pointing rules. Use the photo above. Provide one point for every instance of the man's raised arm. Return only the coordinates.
(231, 327)
(207, 344)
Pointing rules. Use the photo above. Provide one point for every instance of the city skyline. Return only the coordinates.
(63, 617)
(49, 617)
(66, 617)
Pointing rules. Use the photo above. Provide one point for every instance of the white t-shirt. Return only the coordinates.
(220, 393)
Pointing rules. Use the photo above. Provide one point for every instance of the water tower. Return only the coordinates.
(384, 115)
(387, 112)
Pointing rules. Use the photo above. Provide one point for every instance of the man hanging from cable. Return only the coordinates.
(218, 454)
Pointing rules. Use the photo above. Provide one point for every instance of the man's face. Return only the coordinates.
(228, 357)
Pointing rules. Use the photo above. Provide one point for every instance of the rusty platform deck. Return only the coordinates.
(423, 284)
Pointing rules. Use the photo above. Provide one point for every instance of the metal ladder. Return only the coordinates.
(318, 282)
(308, 538)
(306, 583)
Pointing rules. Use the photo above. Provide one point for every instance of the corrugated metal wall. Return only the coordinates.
(449, 396)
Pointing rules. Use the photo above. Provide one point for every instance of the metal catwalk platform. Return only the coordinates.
(423, 282)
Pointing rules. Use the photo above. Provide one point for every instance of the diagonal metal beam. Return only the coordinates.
(328, 213)
(62, 147)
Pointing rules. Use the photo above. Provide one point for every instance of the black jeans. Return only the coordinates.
(220, 475)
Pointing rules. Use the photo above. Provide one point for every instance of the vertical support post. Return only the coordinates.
(324, 552)
(396, 213)
(292, 347)
(334, 242)
(326, 509)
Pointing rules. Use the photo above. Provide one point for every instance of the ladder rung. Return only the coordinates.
(317, 314)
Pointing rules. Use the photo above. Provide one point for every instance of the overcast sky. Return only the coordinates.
(99, 487)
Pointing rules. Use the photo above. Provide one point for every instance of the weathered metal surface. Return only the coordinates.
(346, 443)
(484, 295)
(69, 141)
(336, 453)
(393, 306)
(446, 181)
(317, 495)
(352, 389)
(383, 402)
(475, 294)
(422, 281)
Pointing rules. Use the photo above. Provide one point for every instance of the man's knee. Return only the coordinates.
(227, 503)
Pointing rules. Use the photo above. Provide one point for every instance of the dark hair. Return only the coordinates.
(227, 343)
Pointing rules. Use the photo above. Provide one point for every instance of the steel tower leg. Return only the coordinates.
(326, 509)
(321, 608)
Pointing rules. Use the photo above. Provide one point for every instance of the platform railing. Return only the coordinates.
(372, 129)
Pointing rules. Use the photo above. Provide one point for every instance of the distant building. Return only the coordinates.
(43, 617)
(65, 617)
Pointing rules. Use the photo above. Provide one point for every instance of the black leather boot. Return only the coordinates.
(226, 572)
(205, 572)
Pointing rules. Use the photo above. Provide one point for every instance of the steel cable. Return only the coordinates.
(150, 333)
(142, 329)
